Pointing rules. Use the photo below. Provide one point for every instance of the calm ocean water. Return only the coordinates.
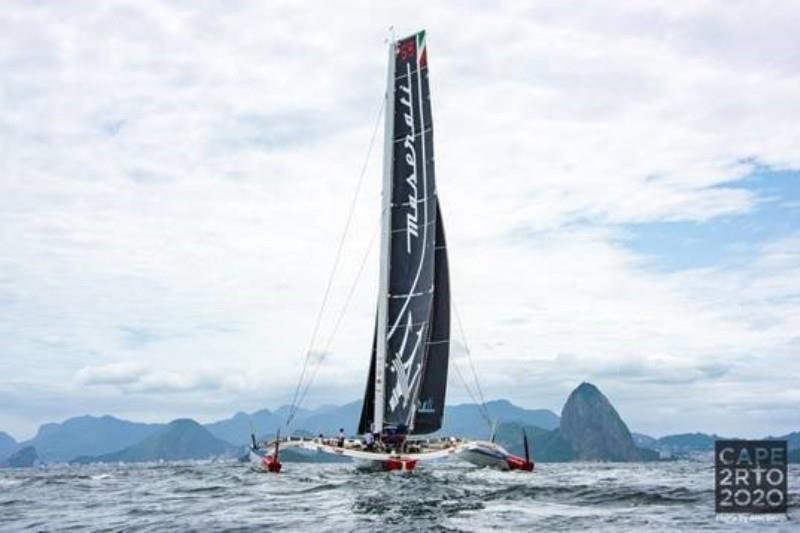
(313, 497)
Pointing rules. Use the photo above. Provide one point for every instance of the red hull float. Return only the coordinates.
(519, 463)
(400, 463)
(265, 462)
(271, 464)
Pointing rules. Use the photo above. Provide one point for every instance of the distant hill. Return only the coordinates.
(181, 439)
(94, 436)
(593, 429)
(686, 442)
(681, 445)
(792, 439)
(465, 420)
(644, 441)
(25, 457)
(7, 444)
(328, 419)
(461, 420)
(284, 410)
(698, 445)
(87, 435)
(236, 430)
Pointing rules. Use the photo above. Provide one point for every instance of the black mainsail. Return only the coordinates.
(408, 368)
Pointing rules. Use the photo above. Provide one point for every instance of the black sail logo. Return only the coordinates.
(406, 362)
(412, 217)
(406, 373)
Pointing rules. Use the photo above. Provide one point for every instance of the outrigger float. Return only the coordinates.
(407, 379)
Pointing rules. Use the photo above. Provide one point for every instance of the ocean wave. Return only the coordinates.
(443, 497)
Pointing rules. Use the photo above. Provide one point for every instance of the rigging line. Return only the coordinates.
(469, 359)
(342, 312)
(471, 394)
(293, 408)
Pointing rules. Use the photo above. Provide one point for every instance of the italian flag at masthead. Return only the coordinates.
(422, 55)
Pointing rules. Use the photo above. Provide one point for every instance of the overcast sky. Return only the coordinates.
(620, 186)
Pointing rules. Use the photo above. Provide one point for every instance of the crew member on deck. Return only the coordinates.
(369, 441)
(341, 438)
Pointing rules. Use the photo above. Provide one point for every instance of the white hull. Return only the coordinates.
(485, 454)
(371, 460)
(478, 453)
(368, 465)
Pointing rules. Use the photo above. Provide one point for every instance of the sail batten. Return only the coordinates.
(406, 365)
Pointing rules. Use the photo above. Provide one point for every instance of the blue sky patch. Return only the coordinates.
(724, 241)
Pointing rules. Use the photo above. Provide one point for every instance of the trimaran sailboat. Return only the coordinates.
(407, 380)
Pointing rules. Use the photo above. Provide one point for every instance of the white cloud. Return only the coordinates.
(112, 374)
(173, 180)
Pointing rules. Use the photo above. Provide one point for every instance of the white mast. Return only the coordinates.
(386, 228)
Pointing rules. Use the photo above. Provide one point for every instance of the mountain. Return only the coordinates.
(88, 435)
(698, 444)
(93, 436)
(25, 457)
(236, 430)
(687, 442)
(461, 420)
(590, 430)
(794, 456)
(792, 439)
(328, 419)
(594, 429)
(465, 420)
(7, 444)
(284, 410)
(644, 441)
(181, 439)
